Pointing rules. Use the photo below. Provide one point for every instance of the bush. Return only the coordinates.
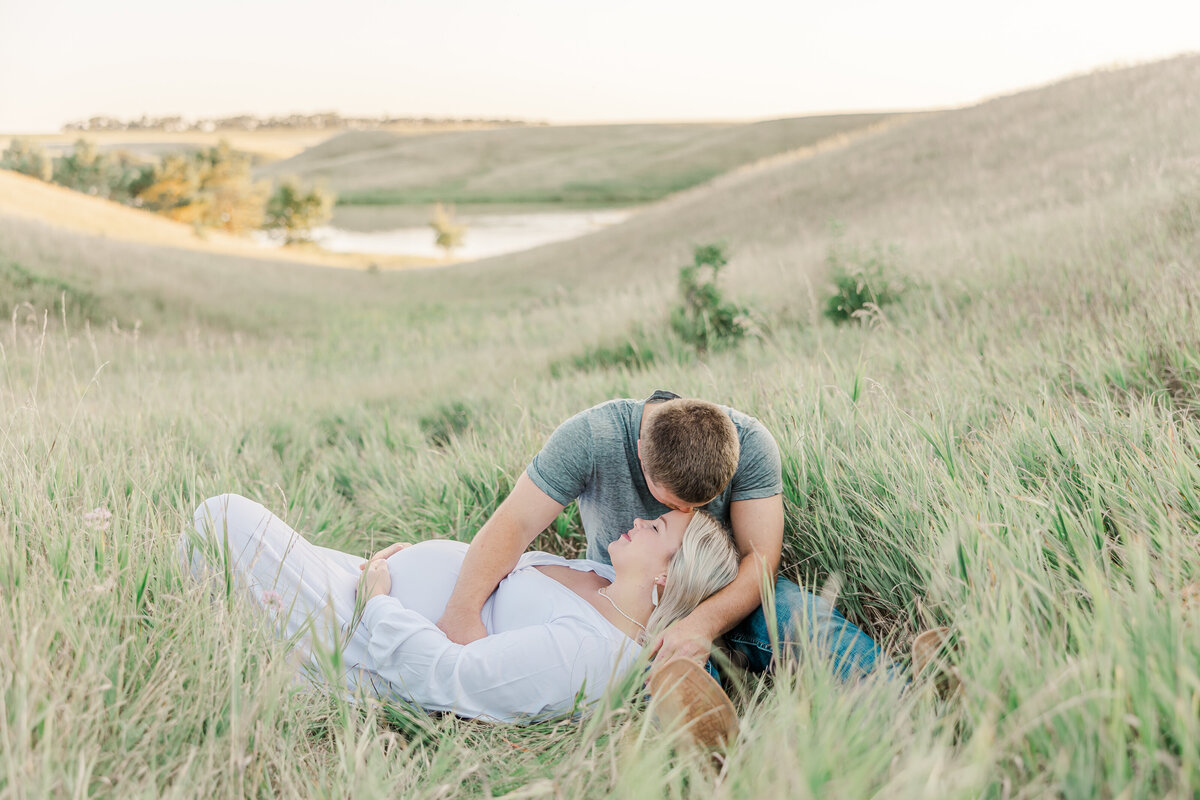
(27, 158)
(631, 354)
(863, 281)
(296, 210)
(704, 319)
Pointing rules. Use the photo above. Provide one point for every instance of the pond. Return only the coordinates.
(488, 232)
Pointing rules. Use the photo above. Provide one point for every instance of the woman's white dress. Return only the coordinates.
(546, 650)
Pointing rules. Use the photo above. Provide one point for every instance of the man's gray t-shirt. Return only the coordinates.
(593, 457)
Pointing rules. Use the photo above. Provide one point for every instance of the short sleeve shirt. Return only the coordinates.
(592, 458)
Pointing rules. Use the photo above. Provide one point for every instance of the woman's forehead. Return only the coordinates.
(676, 518)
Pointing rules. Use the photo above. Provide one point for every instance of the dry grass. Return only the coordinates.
(1012, 451)
(598, 163)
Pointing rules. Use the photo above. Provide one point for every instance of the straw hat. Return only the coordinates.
(686, 699)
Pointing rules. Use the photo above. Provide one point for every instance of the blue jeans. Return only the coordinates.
(799, 613)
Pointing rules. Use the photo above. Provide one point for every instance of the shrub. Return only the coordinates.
(447, 234)
(704, 319)
(863, 281)
(28, 158)
(296, 210)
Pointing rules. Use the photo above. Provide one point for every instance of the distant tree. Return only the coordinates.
(296, 210)
(233, 202)
(448, 234)
(83, 169)
(175, 190)
(127, 177)
(28, 158)
(209, 189)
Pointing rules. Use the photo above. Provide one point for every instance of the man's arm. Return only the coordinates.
(494, 551)
(758, 532)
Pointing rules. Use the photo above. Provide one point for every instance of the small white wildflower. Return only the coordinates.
(272, 600)
(98, 518)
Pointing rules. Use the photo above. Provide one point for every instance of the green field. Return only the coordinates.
(1013, 450)
(578, 165)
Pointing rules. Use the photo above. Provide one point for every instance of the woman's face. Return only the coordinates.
(650, 544)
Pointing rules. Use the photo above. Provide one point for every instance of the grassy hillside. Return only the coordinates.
(606, 164)
(1011, 450)
(24, 197)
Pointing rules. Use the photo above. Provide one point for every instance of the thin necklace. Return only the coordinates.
(641, 639)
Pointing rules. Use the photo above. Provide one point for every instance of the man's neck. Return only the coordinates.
(650, 408)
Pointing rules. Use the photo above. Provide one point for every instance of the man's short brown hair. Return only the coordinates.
(690, 447)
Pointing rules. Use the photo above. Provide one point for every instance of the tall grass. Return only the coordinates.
(1013, 451)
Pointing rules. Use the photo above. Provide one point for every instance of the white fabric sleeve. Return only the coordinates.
(514, 676)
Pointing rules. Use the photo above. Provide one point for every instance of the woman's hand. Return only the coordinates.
(387, 552)
(376, 579)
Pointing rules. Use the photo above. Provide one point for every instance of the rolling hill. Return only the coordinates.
(1011, 451)
(607, 164)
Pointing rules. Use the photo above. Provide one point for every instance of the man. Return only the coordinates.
(626, 459)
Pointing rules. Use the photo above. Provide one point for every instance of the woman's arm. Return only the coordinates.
(387, 552)
(520, 674)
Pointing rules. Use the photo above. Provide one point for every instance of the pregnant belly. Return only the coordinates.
(423, 577)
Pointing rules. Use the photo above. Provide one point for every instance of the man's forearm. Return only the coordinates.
(496, 548)
(492, 555)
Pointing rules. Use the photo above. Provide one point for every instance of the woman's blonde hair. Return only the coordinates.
(706, 562)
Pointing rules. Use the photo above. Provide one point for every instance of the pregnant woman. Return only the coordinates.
(558, 629)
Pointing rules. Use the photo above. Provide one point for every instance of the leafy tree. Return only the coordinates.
(296, 211)
(233, 201)
(83, 169)
(704, 318)
(126, 177)
(28, 158)
(117, 176)
(175, 189)
(211, 188)
(448, 234)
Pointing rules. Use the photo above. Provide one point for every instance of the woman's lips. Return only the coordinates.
(626, 537)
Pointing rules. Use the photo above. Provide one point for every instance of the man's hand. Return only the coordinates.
(462, 627)
(683, 639)
(376, 579)
(387, 552)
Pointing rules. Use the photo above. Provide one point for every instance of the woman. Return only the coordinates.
(558, 629)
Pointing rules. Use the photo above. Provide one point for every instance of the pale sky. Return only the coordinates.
(556, 60)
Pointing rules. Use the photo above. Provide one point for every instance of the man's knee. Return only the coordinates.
(798, 610)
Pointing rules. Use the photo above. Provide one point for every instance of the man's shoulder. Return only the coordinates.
(747, 425)
(610, 416)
